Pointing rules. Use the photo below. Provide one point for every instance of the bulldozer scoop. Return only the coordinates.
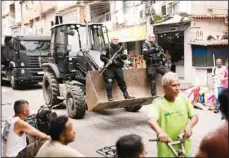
(137, 86)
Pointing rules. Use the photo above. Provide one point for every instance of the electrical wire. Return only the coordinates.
(116, 11)
(170, 40)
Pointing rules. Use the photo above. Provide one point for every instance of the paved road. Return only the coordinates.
(100, 129)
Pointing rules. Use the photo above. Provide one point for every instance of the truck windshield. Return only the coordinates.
(34, 45)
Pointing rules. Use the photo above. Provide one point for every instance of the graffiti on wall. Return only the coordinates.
(199, 35)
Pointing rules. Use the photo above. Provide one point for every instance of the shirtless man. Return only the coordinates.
(215, 144)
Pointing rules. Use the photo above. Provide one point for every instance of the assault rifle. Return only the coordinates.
(110, 61)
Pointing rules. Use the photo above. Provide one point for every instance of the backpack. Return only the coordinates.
(6, 130)
(44, 117)
(31, 150)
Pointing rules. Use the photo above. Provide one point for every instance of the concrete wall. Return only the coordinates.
(194, 7)
(62, 4)
(123, 16)
(48, 18)
(71, 15)
(5, 26)
(199, 31)
(17, 12)
(200, 7)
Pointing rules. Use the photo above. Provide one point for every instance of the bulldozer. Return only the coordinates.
(72, 72)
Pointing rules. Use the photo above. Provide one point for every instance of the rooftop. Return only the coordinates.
(211, 43)
(209, 16)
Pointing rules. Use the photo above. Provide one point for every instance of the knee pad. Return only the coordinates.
(110, 81)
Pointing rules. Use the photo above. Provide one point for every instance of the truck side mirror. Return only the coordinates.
(69, 48)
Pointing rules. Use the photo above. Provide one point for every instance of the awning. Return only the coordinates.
(136, 33)
(174, 20)
(176, 24)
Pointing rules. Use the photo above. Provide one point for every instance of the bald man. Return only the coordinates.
(216, 73)
(114, 71)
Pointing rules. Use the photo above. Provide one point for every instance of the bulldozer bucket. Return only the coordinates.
(137, 86)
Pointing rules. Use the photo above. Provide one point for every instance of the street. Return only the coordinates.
(100, 129)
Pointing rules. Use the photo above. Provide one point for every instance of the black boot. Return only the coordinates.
(109, 95)
(126, 96)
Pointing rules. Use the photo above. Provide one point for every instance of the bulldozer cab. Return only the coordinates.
(77, 48)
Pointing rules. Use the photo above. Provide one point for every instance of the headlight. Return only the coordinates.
(22, 71)
(22, 64)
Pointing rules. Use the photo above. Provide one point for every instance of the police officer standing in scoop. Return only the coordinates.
(156, 61)
(114, 71)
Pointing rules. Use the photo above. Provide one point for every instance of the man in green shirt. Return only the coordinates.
(170, 115)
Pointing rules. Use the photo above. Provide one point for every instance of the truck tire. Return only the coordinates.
(14, 83)
(50, 89)
(133, 108)
(75, 102)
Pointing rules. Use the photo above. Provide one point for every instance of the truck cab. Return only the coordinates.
(20, 58)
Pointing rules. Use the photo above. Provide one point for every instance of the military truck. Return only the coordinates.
(20, 59)
(72, 73)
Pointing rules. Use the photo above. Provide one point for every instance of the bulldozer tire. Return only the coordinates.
(50, 89)
(75, 102)
(133, 108)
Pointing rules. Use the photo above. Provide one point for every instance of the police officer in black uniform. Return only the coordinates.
(156, 61)
(114, 71)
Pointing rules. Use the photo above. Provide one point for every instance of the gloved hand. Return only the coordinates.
(121, 56)
(152, 49)
(109, 62)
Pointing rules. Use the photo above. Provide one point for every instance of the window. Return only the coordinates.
(60, 37)
(35, 45)
(15, 44)
(163, 10)
(202, 56)
(41, 31)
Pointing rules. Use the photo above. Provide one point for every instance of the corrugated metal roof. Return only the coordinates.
(209, 17)
(175, 19)
(211, 43)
